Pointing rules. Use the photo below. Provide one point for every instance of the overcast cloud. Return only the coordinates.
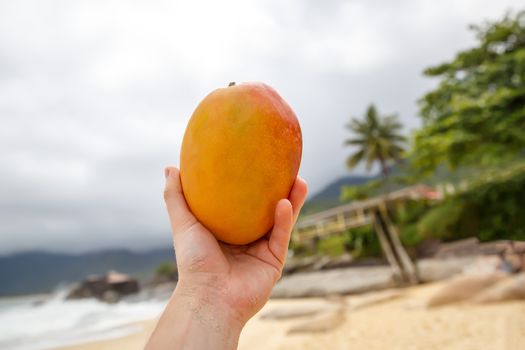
(95, 96)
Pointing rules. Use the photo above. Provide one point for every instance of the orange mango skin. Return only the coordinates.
(240, 155)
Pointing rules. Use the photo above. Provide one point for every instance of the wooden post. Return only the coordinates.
(387, 248)
(360, 215)
(319, 228)
(341, 221)
(407, 266)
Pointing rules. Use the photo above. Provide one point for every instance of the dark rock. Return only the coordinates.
(344, 260)
(321, 263)
(428, 248)
(294, 265)
(109, 288)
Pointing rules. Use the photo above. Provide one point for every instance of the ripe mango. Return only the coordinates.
(240, 155)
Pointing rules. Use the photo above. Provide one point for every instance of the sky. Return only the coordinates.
(95, 96)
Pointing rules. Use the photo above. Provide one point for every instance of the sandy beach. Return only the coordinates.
(393, 319)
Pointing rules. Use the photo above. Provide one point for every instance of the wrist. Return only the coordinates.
(208, 308)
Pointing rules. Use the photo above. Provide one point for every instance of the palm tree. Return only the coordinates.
(378, 140)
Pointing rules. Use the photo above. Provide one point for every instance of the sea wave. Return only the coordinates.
(46, 322)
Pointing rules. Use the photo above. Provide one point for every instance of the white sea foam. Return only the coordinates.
(32, 324)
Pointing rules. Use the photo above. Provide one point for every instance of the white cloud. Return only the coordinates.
(95, 95)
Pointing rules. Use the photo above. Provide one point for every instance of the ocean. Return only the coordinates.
(40, 322)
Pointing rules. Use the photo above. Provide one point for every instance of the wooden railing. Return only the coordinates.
(375, 212)
(353, 215)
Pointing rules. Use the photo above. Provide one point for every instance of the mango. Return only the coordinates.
(240, 155)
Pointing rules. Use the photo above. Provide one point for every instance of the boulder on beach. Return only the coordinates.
(334, 282)
(512, 288)
(110, 287)
(464, 288)
(431, 270)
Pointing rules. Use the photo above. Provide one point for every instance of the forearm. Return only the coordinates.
(194, 320)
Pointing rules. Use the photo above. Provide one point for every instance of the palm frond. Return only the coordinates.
(355, 158)
(378, 138)
(355, 142)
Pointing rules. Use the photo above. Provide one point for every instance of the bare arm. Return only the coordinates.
(220, 286)
(192, 320)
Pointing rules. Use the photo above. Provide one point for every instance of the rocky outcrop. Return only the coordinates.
(334, 282)
(463, 288)
(512, 288)
(109, 288)
(431, 270)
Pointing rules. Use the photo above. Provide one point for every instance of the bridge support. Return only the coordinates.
(403, 268)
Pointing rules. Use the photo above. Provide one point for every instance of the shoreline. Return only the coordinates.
(395, 319)
(132, 340)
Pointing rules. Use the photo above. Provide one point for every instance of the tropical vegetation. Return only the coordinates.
(473, 130)
(377, 139)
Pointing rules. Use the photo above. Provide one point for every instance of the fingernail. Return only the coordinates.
(166, 172)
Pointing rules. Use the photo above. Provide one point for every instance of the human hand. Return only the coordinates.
(224, 285)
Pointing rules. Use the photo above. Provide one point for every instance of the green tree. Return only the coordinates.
(491, 208)
(476, 115)
(166, 270)
(377, 139)
(475, 119)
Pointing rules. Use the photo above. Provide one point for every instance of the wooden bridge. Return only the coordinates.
(373, 211)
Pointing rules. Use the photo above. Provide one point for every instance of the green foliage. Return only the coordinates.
(166, 269)
(377, 139)
(473, 124)
(302, 249)
(475, 121)
(333, 245)
(410, 211)
(360, 242)
(409, 235)
(493, 207)
(359, 192)
(442, 221)
(364, 242)
(498, 202)
(477, 113)
(406, 216)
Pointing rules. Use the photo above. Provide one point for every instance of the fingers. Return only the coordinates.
(298, 196)
(282, 228)
(179, 214)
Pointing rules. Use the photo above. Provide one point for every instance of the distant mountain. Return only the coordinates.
(40, 272)
(329, 196)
